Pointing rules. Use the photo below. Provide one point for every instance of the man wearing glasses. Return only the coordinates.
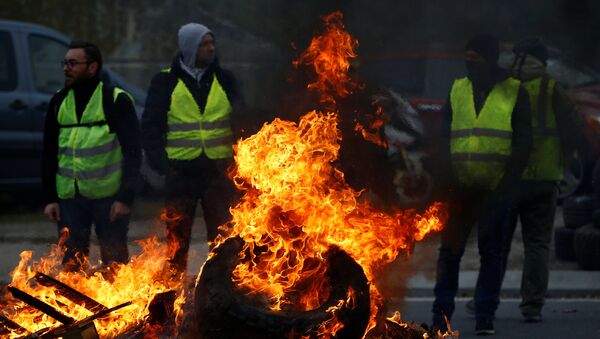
(91, 159)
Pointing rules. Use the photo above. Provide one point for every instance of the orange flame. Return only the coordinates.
(328, 55)
(63, 236)
(449, 334)
(331, 67)
(372, 131)
(297, 203)
(139, 280)
(171, 220)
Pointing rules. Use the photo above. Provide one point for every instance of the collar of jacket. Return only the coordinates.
(182, 74)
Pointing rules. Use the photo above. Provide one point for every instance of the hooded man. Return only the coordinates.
(188, 128)
(487, 141)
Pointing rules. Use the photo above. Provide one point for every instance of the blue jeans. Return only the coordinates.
(77, 215)
(491, 213)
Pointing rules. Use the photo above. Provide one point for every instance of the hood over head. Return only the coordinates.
(189, 37)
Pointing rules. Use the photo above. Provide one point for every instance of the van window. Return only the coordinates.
(8, 67)
(46, 54)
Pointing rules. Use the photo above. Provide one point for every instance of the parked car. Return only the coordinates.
(425, 79)
(30, 73)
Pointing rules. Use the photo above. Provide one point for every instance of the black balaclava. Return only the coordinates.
(482, 73)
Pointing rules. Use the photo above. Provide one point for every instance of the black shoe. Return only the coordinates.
(533, 318)
(470, 307)
(484, 326)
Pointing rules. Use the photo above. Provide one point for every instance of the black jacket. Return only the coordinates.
(521, 137)
(154, 119)
(121, 119)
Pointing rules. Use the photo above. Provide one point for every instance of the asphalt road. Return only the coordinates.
(563, 318)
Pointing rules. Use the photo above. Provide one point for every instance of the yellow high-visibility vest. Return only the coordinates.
(481, 144)
(89, 155)
(545, 161)
(193, 131)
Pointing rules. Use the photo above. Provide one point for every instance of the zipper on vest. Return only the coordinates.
(74, 159)
(203, 150)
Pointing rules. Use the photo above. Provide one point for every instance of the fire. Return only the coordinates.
(413, 329)
(329, 55)
(296, 206)
(297, 203)
(171, 218)
(139, 281)
(371, 132)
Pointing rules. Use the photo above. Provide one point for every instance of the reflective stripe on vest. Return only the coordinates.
(89, 156)
(86, 152)
(545, 161)
(91, 174)
(480, 144)
(192, 131)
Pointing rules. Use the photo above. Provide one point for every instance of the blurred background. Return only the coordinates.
(412, 47)
(255, 38)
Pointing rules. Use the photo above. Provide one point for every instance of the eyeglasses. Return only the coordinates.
(72, 63)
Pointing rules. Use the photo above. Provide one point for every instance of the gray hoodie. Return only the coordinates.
(189, 36)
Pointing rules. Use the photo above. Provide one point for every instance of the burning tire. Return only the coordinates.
(223, 312)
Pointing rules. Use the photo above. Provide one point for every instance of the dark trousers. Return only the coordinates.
(490, 213)
(535, 204)
(215, 192)
(78, 215)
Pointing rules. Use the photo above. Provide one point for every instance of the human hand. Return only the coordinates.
(52, 211)
(118, 210)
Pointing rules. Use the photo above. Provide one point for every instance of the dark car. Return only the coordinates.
(30, 73)
(425, 79)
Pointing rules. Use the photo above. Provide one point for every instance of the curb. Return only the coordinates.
(562, 284)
